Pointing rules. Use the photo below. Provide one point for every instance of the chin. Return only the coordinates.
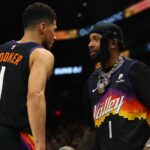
(93, 57)
(50, 47)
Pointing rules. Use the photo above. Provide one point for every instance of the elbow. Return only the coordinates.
(35, 96)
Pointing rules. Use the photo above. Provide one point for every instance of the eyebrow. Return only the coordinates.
(96, 36)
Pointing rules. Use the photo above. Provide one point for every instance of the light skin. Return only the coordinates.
(42, 33)
(41, 64)
(94, 48)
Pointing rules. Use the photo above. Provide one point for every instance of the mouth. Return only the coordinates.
(92, 52)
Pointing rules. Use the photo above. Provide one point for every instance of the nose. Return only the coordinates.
(55, 37)
(90, 44)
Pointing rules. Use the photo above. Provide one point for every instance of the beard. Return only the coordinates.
(46, 45)
(103, 54)
(95, 58)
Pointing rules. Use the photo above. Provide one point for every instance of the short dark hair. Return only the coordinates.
(37, 12)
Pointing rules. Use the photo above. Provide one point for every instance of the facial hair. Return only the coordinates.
(45, 45)
(104, 53)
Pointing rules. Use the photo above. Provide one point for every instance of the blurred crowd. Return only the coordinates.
(65, 135)
(70, 135)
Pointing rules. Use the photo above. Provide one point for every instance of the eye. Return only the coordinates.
(96, 39)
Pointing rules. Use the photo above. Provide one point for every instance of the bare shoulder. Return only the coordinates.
(43, 55)
(42, 58)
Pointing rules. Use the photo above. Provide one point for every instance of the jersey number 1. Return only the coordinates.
(2, 72)
(110, 129)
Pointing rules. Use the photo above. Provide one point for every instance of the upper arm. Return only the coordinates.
(140, 79)
(41, 65)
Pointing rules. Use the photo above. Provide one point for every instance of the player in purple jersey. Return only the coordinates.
(25, 67)
(119, 94)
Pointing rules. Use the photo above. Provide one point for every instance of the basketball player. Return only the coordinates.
(25, 67)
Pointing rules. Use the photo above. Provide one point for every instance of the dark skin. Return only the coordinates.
(95, 47)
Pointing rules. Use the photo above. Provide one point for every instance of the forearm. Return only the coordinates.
(37, 117)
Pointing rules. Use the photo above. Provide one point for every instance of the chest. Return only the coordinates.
(119, 86)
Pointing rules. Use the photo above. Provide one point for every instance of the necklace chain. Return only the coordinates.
(104, 78)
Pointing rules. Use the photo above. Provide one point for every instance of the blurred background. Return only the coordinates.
(72, 63)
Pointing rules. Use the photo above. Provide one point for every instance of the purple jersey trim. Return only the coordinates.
(32, 49)
(15, 42)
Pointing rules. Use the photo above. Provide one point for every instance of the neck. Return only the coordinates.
(31, 36)
(97, 65)
(112, 60)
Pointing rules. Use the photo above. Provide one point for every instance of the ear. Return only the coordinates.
(42, 27)
(113, 43)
